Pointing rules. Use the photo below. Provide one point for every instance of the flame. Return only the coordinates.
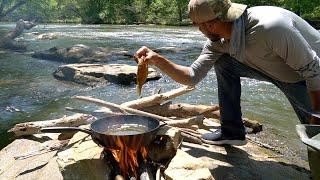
(128, 158)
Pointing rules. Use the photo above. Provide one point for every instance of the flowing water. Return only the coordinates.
(28, 91)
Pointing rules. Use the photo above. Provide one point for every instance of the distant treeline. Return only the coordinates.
(170, 12)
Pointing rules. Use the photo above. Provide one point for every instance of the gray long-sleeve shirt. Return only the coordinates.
(271, 40)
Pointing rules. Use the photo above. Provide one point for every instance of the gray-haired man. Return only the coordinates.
(265, 43)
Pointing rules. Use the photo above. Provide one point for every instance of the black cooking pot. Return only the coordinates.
(115, 132)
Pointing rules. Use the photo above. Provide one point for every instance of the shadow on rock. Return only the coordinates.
(230, 162)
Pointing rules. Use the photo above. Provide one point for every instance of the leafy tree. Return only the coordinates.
(7, 7)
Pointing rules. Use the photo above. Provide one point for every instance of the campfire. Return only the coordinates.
(131, 164)
(128, 159)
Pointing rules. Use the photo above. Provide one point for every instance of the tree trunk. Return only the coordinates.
(8, 42)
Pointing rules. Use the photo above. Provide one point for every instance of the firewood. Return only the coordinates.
(190, 138)
(30, 128)
(157, 99)
(184, 123)
(123, 108)
(183, 110)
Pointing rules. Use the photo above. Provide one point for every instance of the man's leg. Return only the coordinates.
(229, 91)
(228, 72)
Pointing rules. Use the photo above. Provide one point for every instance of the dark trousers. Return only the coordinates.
(228, 71)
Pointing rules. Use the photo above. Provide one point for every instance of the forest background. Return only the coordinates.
(164, 12)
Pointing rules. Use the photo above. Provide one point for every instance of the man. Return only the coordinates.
(265, 43)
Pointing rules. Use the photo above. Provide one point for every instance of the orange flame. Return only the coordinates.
(128, 158)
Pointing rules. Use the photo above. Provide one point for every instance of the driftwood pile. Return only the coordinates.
(188, 118)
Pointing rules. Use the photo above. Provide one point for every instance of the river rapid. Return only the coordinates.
(28, 91)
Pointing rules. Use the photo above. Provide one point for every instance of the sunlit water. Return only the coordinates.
(27, 84)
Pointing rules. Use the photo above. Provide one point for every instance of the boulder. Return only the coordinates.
(93, 74)
(79, 53)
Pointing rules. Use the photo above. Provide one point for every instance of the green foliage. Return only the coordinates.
(129, 11)
(42, 10)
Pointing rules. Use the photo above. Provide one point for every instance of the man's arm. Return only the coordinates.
(179, 73)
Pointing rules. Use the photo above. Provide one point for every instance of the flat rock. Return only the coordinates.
(92, 74)
(82, 160)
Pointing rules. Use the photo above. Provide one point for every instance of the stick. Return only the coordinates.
(94, 113)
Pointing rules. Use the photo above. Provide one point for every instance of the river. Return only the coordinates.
(28, 91)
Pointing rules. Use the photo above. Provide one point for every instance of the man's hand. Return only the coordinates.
(147, 55)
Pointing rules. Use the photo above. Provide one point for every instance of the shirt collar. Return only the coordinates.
(237, 41)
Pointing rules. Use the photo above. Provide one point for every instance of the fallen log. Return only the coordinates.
(30, 128)
(157, 99)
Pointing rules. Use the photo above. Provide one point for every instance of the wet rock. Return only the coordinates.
(184, 166)
(93, 74)
(49, 36)
(79, 53)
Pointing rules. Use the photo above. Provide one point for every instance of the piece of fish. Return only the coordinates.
(142, 74)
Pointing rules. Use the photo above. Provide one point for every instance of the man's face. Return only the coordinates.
(214, 29)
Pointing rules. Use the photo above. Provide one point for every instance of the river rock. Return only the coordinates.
(92, 74)
(79, 53)
(49, 36)
(184, 166)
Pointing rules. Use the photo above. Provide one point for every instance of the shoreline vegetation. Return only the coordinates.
(127, 12)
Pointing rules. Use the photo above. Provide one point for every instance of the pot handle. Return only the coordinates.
(64, 130)
(162, 123)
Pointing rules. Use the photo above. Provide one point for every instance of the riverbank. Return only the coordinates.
(224, 162)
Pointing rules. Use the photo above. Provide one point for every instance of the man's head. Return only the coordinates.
(214, 17)
(201, 11)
